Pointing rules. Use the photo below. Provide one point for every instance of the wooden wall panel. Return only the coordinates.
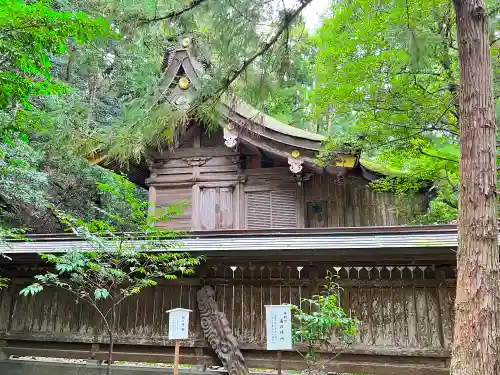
(166, 196)
(350, 202)
(258, 210)
(284, 210)
(322, 201)
(208, 201)
(227, 205)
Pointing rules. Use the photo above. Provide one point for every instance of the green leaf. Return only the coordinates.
(31, 290)
(101, 294)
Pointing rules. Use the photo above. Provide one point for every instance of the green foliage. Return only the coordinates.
(321, 320)
(101, 69)
(112, 264)
(19, 173)
(32, 35)
(119, 261)
(399, 185)
(110, 273)
(278, 84)
(226, 32)
(84, 78)
(392, 89)
(35, 176)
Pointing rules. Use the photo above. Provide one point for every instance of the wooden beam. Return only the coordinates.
(276, 152)
(395, 362)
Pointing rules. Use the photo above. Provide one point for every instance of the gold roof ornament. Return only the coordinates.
(295, 154)
(230, 126)
(346, 161)
(183, 83)
(186, 42)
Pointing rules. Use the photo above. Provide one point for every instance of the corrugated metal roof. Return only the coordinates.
(263, 243)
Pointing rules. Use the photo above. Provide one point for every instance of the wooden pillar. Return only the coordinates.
(313, 279)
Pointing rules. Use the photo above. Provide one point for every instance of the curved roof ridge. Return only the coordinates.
(240, 106)
(246, 110)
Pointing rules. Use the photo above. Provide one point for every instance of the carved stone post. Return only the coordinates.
(219, 334)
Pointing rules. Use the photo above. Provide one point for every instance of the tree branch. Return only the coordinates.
(452, 185)
(450, 203)
(392, 141)
(436, 156)
(176, 13)
(287, 21)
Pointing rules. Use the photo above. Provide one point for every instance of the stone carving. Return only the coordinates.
(218, 333)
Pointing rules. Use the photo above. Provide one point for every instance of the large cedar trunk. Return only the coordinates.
(476, 346)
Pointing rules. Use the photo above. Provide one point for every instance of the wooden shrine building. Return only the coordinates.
(270, 223)
(256, 172)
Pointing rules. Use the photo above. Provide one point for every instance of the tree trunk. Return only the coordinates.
(111, 341)
(110, 353)
(476, 344)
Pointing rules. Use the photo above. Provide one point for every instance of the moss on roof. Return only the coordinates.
(381, 169)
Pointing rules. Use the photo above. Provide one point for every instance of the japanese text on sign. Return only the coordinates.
(279, 327)
(178, 324)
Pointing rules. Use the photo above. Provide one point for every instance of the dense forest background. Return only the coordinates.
(79, 78)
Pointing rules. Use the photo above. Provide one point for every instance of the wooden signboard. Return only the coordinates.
(279, 327)
(178, 329)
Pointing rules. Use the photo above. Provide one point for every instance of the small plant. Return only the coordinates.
(319, 322)
(110, 265)
(5, 236)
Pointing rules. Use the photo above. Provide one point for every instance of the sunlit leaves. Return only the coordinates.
(100, 293)
(388, 73)
(32, 35)
(31, 289)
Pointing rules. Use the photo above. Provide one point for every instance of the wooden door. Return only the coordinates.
(216, 208)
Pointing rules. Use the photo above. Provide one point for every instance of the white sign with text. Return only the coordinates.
(178, 324)
(279, 327)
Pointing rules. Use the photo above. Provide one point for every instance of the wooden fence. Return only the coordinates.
(406, 315)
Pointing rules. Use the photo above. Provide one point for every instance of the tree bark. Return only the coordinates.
(111, 340)
(476, 344)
